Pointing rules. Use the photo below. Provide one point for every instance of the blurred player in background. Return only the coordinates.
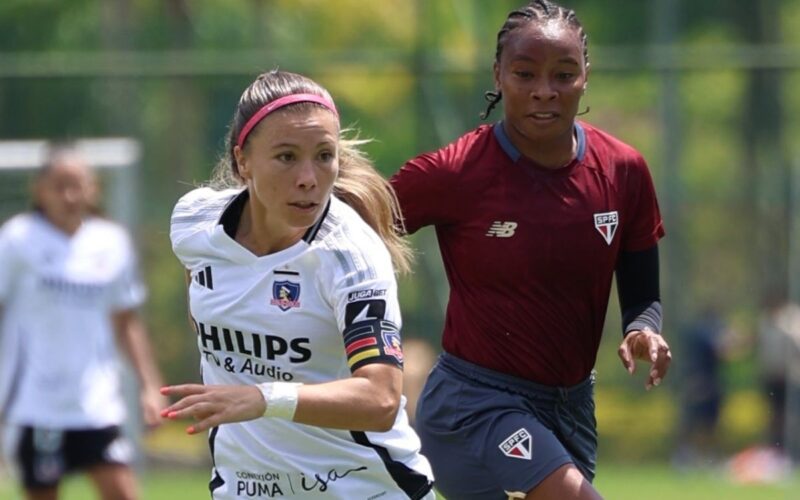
(293, 296)
(777, 351)
(534, 215)
(69, 290)
(708, 343)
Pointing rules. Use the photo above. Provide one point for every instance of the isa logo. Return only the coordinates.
(517, 445)
(285, 295)
(606, 224)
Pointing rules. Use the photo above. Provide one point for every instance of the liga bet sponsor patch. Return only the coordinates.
(517, 445)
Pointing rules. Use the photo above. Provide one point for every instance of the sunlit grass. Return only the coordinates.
(617, 482)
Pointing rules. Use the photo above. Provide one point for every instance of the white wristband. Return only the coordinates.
(281, 398)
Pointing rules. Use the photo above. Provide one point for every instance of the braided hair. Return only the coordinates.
(540, 11)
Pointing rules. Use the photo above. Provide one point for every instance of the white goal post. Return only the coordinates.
(117, 155)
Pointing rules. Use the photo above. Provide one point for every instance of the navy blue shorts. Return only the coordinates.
(487, 433)
(45, 455)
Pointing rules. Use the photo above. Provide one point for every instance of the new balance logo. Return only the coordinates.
(204, 278)
(502, 229)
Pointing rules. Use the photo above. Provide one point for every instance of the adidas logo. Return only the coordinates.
(502, 229)
(203, 278)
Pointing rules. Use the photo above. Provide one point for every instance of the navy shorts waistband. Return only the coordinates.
(511, 383)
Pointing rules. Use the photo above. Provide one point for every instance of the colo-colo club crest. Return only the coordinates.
(285, 295)
(606, 224)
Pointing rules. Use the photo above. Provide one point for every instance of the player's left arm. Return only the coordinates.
(133, 340)
(639, 298)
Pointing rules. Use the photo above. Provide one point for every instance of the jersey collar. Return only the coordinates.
(515, 155)
(232, 214)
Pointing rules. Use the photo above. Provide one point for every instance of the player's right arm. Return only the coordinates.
(188, 311)
(10, 266)
(367, 401)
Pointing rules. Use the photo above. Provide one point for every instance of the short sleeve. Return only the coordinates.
(9, 262)
(129, 289)
(644, 226)
(194, 208)
(364, 299)
(425, 189)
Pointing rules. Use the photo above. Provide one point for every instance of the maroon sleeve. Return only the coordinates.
(425, 189)
(643, 227)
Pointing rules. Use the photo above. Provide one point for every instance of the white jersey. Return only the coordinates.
(311, 313)
(58, 292)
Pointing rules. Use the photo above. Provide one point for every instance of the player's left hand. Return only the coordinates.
(646, 345)
(212, 405)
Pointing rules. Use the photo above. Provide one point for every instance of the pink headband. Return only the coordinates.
(277, 104)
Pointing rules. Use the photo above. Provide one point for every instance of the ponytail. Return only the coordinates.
(368, 193)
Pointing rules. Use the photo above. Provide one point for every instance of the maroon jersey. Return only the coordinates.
(530, 252)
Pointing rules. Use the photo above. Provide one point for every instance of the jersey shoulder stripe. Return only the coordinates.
(198, 210)
(16, 229)
(359, 253)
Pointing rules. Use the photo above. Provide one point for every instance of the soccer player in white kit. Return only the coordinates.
(69, 290)
(294, 301)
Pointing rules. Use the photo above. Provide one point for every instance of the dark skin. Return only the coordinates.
(542, 74)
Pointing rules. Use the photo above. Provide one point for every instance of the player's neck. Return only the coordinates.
(69, 225)
(552, 154)
(261, 236)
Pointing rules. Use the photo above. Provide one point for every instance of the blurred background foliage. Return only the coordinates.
(704, 89)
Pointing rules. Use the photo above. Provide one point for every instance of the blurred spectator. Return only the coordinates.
(778, 341)
(708, 342)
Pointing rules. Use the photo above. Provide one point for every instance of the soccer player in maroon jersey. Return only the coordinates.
(534, 215)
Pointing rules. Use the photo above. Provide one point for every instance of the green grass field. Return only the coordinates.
(615, 482)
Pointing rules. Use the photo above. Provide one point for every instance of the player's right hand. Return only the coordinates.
(212, 405)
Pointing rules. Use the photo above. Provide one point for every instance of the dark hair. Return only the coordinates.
(57, 153)
(536, 10)
(358, 183)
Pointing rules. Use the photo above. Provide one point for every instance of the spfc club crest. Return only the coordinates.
(517, 445)
(606, 224)
(285, 295)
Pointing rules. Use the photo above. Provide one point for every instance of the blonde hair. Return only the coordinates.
(358, 184)
(363, 188)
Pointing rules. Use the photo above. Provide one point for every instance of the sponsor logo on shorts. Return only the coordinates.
(517, 445)
(606, 224)
(275, 484)
(120, 450)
